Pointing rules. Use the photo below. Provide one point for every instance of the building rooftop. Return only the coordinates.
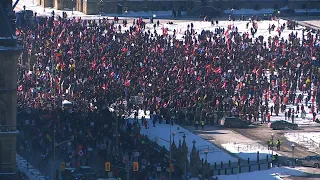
(7, 36)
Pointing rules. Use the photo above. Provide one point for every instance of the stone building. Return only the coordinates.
(9, 53)
(191, 6)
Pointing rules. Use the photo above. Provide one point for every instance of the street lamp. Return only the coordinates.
(101, 7)
(55, 144)
(292, 146)
(126, 11)
(72, 8)
(271, 146)
(173, 134)
(206, 151)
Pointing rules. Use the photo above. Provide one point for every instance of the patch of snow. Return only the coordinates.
(248, 11)
(270, 174)
(143, 14)
(161, 134)
(299, 118)
(310, 140)
(265, 11)
(247, 150)
(30, 172)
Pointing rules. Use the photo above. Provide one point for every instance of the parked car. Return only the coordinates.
(27, 13)
(310, 161)
(71, 174)
(280, 125)
(88, 172)
(234, 122)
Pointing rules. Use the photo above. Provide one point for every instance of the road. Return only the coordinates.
(46, 168)
(258, 135)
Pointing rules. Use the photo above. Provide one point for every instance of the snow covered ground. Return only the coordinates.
(299, 118)
(310, 140)
(247, 150)
(270, 174)
(161, 134)
(32, 173)
(264, 11)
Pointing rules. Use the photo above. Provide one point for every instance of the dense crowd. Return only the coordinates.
(94, 64)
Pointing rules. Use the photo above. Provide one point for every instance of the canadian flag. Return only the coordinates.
(224, 85)
(217, 70)
(226, 33)
(20, 88)
(127, 83)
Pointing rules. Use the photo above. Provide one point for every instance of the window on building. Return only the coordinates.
(3, 110)
(2, 117)
(2, 79)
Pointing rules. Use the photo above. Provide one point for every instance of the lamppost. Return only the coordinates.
(101, 7)
(271, 145)
(292, 146)
(206, 151)
(126, 11)
(55, 144)
(72, 8)
(171, 134)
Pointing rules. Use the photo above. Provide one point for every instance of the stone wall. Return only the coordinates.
(46, 3)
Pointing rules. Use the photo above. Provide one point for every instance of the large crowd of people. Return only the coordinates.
(200, 77)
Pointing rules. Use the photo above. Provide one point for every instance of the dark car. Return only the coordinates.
(287, 12)
(71, 174)
(281, 125)
(234, 122)
(309, 161)
(88, 172)
(28, 13)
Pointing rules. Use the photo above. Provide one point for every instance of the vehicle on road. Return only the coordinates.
(281, 125)
(309, 161)
(88, 172)
(71, 174)
(234, 122)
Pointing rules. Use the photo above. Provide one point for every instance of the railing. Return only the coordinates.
(240, 167)
(8, 128)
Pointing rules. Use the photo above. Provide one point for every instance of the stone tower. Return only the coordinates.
(9, 53)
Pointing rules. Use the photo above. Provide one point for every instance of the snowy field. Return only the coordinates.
(264, 11)
(248, 150)
(161, 134)
(32, 173)
(299, 119)
(310, 140)
(270, 174)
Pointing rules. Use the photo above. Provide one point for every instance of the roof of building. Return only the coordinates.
(7, 38)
